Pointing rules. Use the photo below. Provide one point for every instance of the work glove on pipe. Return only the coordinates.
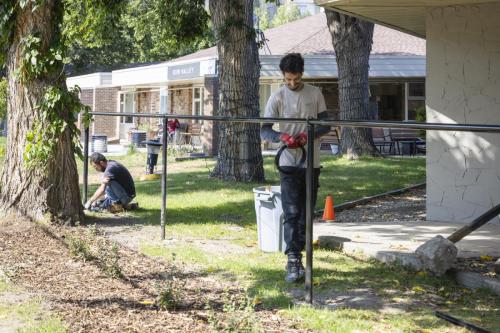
(289, 141)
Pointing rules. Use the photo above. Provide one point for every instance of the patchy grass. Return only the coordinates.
(201, 210)
(27, 314)
(379, 289)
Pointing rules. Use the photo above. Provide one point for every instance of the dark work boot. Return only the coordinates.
(293, 269)
(302, 271)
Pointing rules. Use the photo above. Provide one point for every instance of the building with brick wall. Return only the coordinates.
(189, 86)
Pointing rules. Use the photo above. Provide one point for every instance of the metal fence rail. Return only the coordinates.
(311, 124)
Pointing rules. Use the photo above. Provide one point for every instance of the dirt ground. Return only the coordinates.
(38, 259)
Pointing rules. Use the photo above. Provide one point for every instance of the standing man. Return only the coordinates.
(117, 186)
(295, 99)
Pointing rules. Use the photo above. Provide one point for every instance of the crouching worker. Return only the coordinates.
(117, 187)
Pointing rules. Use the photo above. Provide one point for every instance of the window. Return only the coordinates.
(416, 101)
(198, 102)
(390, 100)
(127, 105)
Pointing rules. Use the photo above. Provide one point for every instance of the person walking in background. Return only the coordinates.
(172, 126)
(295, 99)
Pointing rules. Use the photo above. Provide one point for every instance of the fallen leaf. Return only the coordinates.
(418, 289)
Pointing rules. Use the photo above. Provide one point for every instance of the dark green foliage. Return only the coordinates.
(137, 31)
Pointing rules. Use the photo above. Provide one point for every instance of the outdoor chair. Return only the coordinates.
(331, 139)
(382, 140)
(196, 133)
(406, 140)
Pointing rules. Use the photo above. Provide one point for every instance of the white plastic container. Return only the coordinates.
(269, 218)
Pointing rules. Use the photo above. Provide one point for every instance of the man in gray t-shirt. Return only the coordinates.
(295, 100)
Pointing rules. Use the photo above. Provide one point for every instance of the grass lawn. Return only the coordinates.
(206, 211)
(26, 313)
(203, 210)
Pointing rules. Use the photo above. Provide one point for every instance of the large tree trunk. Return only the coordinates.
(53, 194)
(239, 153)
(352, 40)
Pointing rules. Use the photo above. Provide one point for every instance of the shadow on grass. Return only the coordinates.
(377, 287)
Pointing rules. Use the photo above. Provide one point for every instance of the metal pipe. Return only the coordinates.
(459, 322)
(309, 212)
(86, 163)
(163, 217)
(325, 122)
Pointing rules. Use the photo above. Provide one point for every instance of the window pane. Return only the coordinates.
(196, 93)
(416, 89)
(197, 108)
(390, 100)
(415, 108)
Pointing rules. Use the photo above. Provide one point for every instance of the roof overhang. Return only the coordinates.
(404, 15)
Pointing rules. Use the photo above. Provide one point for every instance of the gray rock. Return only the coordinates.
(437, 255)
(496, 266)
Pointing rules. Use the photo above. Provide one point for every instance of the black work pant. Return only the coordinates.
(293, 201)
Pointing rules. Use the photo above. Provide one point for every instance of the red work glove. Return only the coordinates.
(289, 141)
(301, 139)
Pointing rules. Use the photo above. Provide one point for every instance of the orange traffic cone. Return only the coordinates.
(329, 213)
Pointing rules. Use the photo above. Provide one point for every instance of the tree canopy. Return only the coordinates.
(134, 31)
(287, 12)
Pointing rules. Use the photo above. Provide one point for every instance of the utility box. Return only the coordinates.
(269, 218)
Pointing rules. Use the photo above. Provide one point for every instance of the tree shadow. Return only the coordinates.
(381, 288)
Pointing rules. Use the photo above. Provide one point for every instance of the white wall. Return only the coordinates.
(90, 80)
(463, 86)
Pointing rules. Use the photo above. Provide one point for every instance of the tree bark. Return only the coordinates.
(352, 40)
(54, 194)
(239, 153)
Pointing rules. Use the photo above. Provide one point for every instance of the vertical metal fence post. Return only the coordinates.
(309, 212)
(163, 215)
(86, 134)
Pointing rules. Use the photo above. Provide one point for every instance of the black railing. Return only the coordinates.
(311, 123)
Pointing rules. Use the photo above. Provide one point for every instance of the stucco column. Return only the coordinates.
(463, 86)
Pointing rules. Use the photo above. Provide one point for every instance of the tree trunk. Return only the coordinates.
(352, 40)
(239, 153)
(54, 194)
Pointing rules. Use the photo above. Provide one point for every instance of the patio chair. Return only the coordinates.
(196, 133)
(332, 138)
(382, 140)
(406, 140)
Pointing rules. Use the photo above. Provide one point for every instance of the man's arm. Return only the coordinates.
(98, 193)
(322, 129)
(267, 133)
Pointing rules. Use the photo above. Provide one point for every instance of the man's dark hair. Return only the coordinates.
(292, 63)
(97, 157)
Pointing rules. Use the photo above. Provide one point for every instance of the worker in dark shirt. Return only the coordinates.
(117, 186)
